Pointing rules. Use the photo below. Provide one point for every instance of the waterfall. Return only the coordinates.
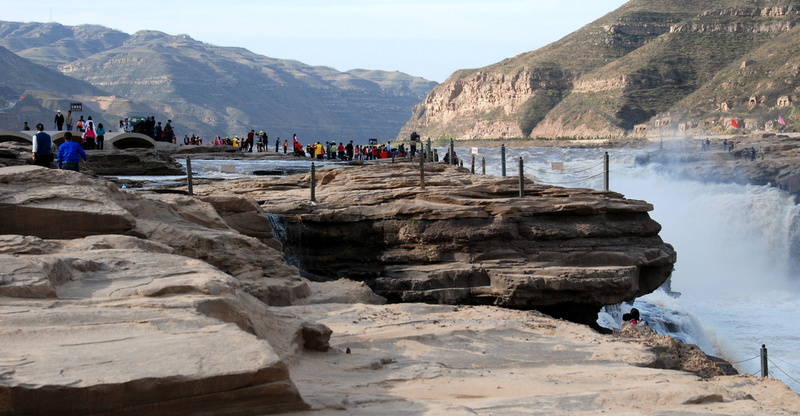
(738, 263)
(737, 266)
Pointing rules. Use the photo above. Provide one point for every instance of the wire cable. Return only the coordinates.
(566, 171)
(571, 182)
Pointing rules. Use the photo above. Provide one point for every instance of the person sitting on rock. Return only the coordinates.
(633, 317)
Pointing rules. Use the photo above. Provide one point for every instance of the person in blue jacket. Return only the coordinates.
(70, 154)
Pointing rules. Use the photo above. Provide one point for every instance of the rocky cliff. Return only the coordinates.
(644, 69)
(125, 302)
(467, 239)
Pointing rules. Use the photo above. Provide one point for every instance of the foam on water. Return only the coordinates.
(737, 250)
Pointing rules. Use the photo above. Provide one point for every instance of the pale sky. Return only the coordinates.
(426, 38)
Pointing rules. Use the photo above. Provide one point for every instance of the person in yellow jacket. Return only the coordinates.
(235, 142)
(319, 151)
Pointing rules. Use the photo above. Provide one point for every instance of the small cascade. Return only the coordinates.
(280, 231)
(290, 235)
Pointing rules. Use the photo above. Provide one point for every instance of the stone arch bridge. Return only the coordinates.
(112, 140)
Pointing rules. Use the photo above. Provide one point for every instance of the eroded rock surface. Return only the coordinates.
(175, 311)
(113, 302)
(467, 239)
(104, 162)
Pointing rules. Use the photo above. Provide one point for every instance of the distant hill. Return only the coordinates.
(211, 90)
(52, 44)
(647, 68)
(31, 92)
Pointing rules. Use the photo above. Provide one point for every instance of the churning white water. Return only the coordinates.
(737, 248)
(736, 266)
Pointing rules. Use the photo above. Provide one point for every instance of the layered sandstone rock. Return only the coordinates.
(618, 76)
(122, 304)
(63, 204)
(168, 312)
(133, 162)
(467, 239)
(118, 325)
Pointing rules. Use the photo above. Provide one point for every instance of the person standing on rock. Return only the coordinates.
(89, 135)
(414, 139)
(42, 147)
(70, 120)
(101, 136)
(59, 120)
(251, 135)
(158, 132)
(169, 132)
(70, 154)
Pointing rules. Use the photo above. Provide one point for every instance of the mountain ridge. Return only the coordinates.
(212, 90)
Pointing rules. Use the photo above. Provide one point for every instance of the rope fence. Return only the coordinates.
(566, 175)
(744, 361)
(784, 372)
(765, 359)
(570, 171)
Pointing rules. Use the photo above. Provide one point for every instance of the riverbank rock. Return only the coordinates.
(121, 162)
(466, 239)
(420, 359)
(56, 204)
(132, 162)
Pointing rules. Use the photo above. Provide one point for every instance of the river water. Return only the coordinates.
(737, 246)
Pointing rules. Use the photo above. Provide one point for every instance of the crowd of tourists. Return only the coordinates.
(90, 136)
(149, 127)
(328, 150)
